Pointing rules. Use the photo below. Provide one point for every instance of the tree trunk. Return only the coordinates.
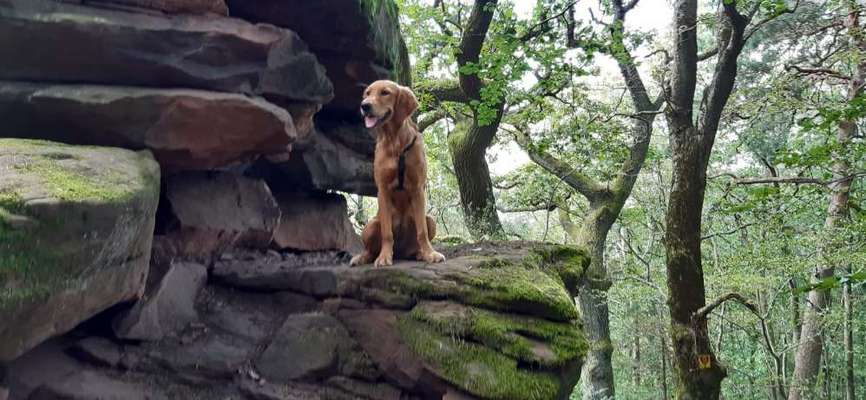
(361, 214)
(664, 372)
(808, 360)
(468, 154)
(572, 231)
(684, 269)
(597, 374)
(636, 361)
(849, 343)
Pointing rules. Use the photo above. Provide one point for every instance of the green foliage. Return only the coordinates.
(762, 241)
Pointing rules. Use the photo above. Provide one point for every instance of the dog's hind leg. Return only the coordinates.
(423, 231)
(372, 238)
(431, 228)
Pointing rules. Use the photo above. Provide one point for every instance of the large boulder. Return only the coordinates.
(494, 322)
(315, 222)
(326, 162)
(49, 41)
(76, 225)
(308, 346)
(185, 129)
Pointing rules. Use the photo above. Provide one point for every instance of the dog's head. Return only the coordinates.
(386, 101)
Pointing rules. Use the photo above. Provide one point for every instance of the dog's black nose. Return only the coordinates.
(366, 107)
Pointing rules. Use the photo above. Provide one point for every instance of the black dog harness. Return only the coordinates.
(401, 164)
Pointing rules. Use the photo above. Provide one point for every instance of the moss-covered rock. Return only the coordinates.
(475, 368)
(76, 225)
(531, 340)
(496, 320)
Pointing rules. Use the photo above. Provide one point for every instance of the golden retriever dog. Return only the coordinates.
(402, 227)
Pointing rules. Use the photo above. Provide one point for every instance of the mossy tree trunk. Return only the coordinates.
(468, 154)
(468, 149)
(597, 374)
(699, 374)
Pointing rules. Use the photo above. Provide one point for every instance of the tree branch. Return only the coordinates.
(732, 231)
(471, 44)
(731, 41)
(443, 91)
(539, 28)
(702, 312)
(430, 118)
(585, 185)
(817, 71)
(797, 180)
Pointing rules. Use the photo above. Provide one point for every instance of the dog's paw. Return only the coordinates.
(357, 260)
(433, 257)
(384, 260)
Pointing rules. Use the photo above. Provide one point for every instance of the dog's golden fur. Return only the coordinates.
(402, 227)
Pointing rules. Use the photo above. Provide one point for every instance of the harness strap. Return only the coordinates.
(401, 164)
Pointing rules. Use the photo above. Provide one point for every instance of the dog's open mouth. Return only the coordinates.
(372, 121)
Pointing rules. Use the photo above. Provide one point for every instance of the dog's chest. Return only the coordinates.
(390, 175)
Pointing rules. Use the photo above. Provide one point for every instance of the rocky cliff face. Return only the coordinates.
(169, 226)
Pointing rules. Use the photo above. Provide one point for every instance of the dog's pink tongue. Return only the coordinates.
(370, 121)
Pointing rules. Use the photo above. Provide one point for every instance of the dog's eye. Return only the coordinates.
(385, 93)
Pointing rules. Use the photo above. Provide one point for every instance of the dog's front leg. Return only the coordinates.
(386, 224)
(422, 232)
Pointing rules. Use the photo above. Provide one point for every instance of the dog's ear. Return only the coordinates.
(406, 104)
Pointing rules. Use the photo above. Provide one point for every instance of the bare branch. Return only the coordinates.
(730, 232)
(532, 208)
(816, 71)
(702, 312)
(708, 54)
(797, 180)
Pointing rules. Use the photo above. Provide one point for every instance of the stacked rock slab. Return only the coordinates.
(75, 233)
(185, 129)
(144, 58)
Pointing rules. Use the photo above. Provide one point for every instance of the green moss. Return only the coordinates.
(450, 240)
(68, 185)
(514, 287)
(10, 201)
(519, 337)
(568, 262)
(45, 252)
(491, 282)
(474, 368)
